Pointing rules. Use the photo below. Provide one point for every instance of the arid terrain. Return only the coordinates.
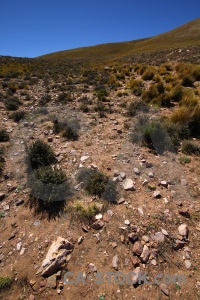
(124, 135)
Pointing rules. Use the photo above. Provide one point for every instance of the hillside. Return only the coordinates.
(100, 172)
(183, 36)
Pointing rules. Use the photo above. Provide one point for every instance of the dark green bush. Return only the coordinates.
(17, 115)
(98, 184)
(50, 189)
(4, 136)
(63, 98)
(2, 160)
(156, 137)
(40, 154)
(12, 103)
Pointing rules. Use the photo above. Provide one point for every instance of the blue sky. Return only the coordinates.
(29, 28)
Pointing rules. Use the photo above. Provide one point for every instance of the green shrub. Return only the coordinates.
(4, 136)
(84, 108)
(45, 99)
(135, 107)
(88, 211)
(17, 115)
(5, 283)
(49, 188)
(12, 103)
(191, 148)
(69, 129)
(63, 98)
(98, 184)
(2, 160)
(40, 154)
(184, 160)
(156, 137)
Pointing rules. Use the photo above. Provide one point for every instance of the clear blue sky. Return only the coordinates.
(29, 28)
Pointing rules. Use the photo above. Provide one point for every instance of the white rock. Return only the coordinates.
(115, 262)
(188, 263)
(84, 158)
(183, 230)
(128, 185)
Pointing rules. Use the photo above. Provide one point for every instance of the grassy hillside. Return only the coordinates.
(183, 36)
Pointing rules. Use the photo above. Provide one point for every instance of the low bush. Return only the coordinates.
(136, 86)
(98, 184)
(149, 73)
(4, 136)
(63, 98)
(135, 107)
(17, 115)
(69, 129)
(49, 188)
(40, 154)
(12, 103)
(2, 160)
(191, 148)
(5, 283)
(45, 99)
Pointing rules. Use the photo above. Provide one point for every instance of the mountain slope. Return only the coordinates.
(182, 36)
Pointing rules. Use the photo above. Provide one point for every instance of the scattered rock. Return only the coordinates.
(188, 263)
(19, 202)
(137, 248)
(157, 194)
(158, 237)
(183, 230)
(92, 267)
(133, 237)
(145, 254)
(136, 171)
(164, 288)
(51, 282)
(128, 185)
(184, 182)
(121, 200)
(56, 257)
(80, 240)
(115, 261)
(97, 225)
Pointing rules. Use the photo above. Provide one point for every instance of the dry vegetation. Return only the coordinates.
(71, 131)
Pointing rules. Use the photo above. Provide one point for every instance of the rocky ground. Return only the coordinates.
(154, 227)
